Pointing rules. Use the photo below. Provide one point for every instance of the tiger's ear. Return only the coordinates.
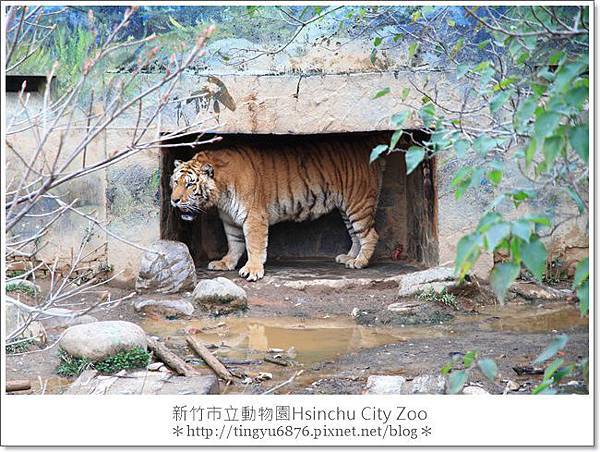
(177, 163)
(208, 170)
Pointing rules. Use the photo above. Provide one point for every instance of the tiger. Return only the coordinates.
(254, 187)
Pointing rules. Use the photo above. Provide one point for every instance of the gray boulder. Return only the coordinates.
(220, 296)
(386, 384)
(100, 340)
(428, 384)
(168, 268)
(397, 384)
(167, 308)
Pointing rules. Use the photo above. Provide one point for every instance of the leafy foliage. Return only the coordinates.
(458, 372)
(431, 296)
(529, 66)
(130, 359)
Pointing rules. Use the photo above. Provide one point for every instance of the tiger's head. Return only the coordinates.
(193, 187)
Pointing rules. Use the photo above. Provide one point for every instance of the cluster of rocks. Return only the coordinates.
(167, 267)
(423, 384)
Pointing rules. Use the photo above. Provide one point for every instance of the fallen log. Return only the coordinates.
(17, 385)
(212, 362)
(170, 359)
(275, 360)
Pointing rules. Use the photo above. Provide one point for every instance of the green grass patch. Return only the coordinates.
(21, 286)
(431, 296)
(130, 359)
(19, 347)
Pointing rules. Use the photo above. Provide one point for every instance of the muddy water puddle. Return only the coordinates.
(309, 341)
(524, 318)
(306, 340)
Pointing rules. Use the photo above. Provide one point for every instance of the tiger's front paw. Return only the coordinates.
(252, 272)
(222, 265)
(357, 263)
(343, 258)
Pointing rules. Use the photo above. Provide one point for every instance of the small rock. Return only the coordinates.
(354, 312)
(386, 384)
(406, 307)
(220, 296)
(264, 376)
(276, 350)
(100, 340)
(428, 384)
(154, 367)
(512, 385)
(168, 268)
(474, 390)
(166, 308)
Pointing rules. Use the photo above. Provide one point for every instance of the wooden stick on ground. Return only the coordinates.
(17, 385)
(209, 359)
(171, 359)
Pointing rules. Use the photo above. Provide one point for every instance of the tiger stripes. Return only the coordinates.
(254, 187)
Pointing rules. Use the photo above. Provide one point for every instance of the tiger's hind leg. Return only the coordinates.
(354, 250)
(363, 224)
(236, 247)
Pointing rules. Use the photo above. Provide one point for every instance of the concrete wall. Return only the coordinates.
(126, 195)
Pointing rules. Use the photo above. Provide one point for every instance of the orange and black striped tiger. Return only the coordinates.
(257, 186)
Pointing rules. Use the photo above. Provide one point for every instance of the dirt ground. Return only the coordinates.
(333, 339)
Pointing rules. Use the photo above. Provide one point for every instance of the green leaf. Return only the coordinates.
(377, 41)
(416, 15)
(545, 124)
(495, 176)
(176, 24)
(373, 56)
(496, 234)
(484, 143)
(544, 388)
(467, 252)
(578, 201)
(499, 100)
(405, 93)
(458, 45)
(551, 148)
(382, 93)
(461, 147)
(502, 276)
(469, 358)
(488, 368)
(377, 151)
(451, 22)
(579, 138)
(524, 113)
(456, 381)
(530, 152)
(395, 137)
(582, 272)
(557, 344)
(399, 119)
(553, 367)
(447, 368)
(412, 50)
(581, 285)
(583, 294)
(521, 229)
(427, 113)
(461, 70)
(414, 156)
(534, 257)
